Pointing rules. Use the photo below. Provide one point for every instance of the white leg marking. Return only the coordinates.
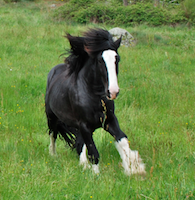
(131, 161)
(95, 168)
(85, 163)
(83, 158)
(124, 152)
(52, 146)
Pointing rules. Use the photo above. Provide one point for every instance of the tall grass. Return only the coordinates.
(155, 109)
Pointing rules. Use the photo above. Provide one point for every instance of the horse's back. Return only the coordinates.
(51, 79)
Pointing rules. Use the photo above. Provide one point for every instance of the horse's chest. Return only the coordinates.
(89, 111)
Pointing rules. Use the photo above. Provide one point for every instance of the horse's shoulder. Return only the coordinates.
(59, 68)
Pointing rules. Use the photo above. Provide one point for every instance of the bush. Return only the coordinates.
(95, 13)
(11, 1)
(189, 8)
(85, 11)
(65, 12)
(141, 13)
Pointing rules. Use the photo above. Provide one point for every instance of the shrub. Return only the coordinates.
(110, 13)
(11, 1)
(65, 12)
(95, 13)
(189, 8)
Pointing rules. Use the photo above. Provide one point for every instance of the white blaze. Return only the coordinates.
(109, 57)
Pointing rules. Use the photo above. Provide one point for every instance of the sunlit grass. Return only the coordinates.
(155, 109)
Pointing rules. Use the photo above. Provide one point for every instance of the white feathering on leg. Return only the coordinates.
(83, 158)
(95, 168)
(131, 161)
(123, 148)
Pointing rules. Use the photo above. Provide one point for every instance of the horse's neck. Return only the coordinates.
(91, 75)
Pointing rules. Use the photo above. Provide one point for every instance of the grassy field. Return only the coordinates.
(155, 109)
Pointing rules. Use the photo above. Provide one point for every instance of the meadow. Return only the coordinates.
(155, 108)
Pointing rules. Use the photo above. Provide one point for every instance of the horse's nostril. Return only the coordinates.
(108, 93)
(113, 95)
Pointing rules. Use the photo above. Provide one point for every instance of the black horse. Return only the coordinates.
(79, 99)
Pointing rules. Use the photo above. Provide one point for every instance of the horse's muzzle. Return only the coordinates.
(112, 96)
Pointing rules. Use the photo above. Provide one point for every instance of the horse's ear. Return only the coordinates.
(76, 44)
(118, 42)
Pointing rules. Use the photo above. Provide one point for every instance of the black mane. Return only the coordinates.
(97, 40)
(93, 42)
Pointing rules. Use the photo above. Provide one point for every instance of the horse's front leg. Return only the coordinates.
(93, 154)
(82, 150)
(131, 161)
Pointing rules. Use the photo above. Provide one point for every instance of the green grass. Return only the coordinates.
(155, 109)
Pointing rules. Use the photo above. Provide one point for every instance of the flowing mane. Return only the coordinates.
(97, 40)
(93, 42)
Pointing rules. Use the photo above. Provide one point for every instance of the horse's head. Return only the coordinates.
(99, 45)
(109, 69)
(107, 61)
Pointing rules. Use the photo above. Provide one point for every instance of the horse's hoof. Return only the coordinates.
(95, 169)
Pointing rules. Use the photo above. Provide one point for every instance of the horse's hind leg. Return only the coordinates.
(52, 146)
(52, 125)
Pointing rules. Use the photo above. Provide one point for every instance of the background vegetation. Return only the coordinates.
(134, 12)
(114, 12)
(155, 109)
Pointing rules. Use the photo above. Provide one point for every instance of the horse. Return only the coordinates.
(80, 97)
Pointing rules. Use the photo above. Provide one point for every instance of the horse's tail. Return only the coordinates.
(67, 133)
